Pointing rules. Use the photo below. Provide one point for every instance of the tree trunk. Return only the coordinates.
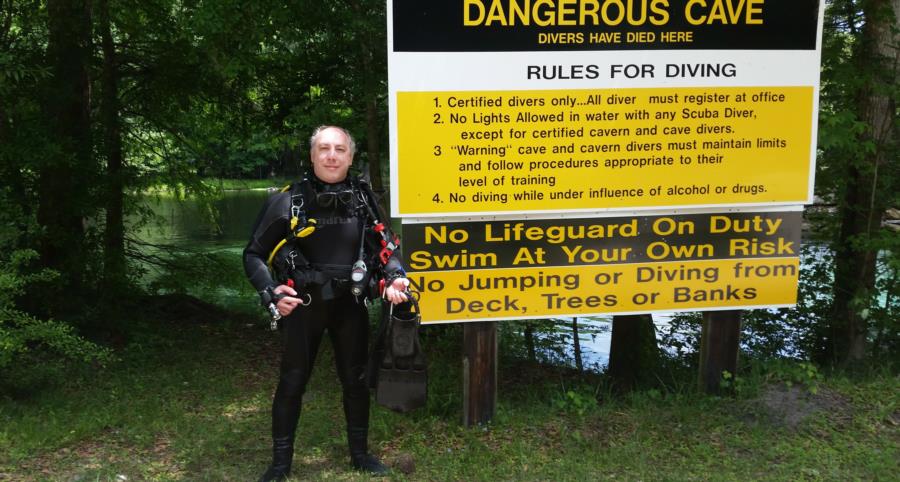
(529, 342)
(9, 169)
(864, 201)
(64, 177)
(370, 86)
(114, 230)
(576, 345)
(633, 352)
(373, 130)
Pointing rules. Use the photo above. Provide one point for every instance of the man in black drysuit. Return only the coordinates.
(318, 297)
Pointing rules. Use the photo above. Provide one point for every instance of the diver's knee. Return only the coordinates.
(292, 382)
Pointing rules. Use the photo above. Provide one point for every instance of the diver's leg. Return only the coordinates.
(302, 333)
(350, 337)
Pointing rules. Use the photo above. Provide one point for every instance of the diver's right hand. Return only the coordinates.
(286, 304)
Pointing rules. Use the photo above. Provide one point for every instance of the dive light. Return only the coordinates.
(358, 277)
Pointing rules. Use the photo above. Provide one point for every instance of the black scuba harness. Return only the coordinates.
(288, 266)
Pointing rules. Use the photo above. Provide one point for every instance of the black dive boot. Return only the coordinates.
(282, 456)
(360, 457)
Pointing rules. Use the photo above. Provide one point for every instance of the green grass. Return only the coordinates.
(166, 190)
(191, 401)
(239, 184)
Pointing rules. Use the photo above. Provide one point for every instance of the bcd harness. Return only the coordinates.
(288, 265)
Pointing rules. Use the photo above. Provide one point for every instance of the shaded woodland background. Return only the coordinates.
(105, 101)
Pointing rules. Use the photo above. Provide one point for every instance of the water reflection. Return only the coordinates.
(595, 336)
(224, 222)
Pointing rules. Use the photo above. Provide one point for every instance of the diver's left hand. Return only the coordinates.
(395, 292)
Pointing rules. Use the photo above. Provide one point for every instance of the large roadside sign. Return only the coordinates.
(549, 106)
(542, 149)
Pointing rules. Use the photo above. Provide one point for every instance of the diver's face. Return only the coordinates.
(331, 157)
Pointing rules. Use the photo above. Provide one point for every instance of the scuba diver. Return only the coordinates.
(317, 253)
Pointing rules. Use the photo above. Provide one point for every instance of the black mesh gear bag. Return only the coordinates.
(397, 368)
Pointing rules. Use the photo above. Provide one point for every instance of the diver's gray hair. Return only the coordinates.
(315, 137)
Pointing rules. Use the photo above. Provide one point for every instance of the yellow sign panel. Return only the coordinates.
(515, 293)
(519, 151)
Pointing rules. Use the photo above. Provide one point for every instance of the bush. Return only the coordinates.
(30, 345)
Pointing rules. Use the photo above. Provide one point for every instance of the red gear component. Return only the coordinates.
(388, 245)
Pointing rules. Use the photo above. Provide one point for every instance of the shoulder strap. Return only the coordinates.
(388, 240)
(300, 226)
(372, 201)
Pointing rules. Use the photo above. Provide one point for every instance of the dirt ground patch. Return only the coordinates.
(156, 462)
(790, 406)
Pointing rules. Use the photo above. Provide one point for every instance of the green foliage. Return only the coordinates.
(32, 347)
(762, 374)
(731, 382)
(204, 89)
(14, 73)
(29, 344)
(576, 401)
(858, 172)
(884, 309)
(801, 373)
(848, 74)
(793, 332)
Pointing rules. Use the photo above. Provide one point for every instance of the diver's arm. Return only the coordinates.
(395, 279)
(270, 228)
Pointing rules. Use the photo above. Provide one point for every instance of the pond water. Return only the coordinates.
(221, 223)
(595, 336)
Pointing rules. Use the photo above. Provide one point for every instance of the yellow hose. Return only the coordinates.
(272, 255)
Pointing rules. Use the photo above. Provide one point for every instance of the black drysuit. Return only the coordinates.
(331, 249)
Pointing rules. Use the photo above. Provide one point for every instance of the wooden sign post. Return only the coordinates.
(719, 347)
(479, 372)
